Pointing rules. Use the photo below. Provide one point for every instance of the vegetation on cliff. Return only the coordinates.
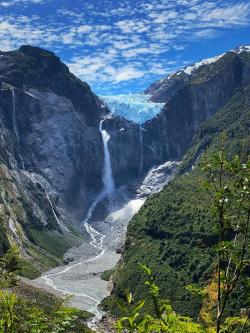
(175, 234)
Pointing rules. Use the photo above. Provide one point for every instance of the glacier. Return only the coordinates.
(135, 107)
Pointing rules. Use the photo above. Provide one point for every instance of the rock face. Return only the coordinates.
(31, 67)
(51, 148)
(125, 149)
(173, 233)
(190, 99)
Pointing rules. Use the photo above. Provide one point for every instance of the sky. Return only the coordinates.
(123, 46)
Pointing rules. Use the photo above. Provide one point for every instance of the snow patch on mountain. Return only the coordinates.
(135, 107)
(190, 69)
(241, 49)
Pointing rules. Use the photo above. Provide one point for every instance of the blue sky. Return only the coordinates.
(122, 46)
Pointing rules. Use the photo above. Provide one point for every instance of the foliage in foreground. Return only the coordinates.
(18, 316)
(9, 267)
(21, 315)
(229, 188)
(165, 319)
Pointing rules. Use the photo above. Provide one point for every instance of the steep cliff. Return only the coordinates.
(173, 232)
(192, 95)
(51, 148)
(51, 151)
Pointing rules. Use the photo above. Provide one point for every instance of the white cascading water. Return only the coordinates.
(85, 283)
(15, 127)
(107, 176)
(108, 187)
(96, 237)
(141, 151)
(61, 225)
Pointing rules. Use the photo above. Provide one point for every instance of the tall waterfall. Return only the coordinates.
(15, 129)
(141, 151)
(108, 187)
(107, 176)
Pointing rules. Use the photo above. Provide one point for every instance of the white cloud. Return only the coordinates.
(135, 52)
(127, 73)
(163, 17)
(123, 45)
(5, 4)
(237, 14)
(110, 43)
(106, 67)
(84, 29)
(21, 2)
(68, 38)
(206, 33)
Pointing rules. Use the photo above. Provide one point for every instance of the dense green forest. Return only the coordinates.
(174, 233)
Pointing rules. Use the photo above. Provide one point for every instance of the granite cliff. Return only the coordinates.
(191, 96)
(51, 149)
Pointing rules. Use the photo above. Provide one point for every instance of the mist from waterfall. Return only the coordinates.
(15, 129)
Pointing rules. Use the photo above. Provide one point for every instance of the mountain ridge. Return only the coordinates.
(189, 69)
(173, 232)
(51, 150)
(189, 101)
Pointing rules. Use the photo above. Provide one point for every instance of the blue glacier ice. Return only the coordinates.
(135, 107)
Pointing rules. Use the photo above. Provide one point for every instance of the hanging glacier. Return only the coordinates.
(135, 107)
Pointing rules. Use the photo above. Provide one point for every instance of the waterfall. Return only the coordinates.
(141, 151)
(108, 187)
(107, 176)
(61, 225)
(15, 129)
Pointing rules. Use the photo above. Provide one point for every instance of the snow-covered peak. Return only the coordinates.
(190, 69)
(135, 107)
(241, 49)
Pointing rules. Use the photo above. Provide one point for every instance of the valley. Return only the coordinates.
(91, 183)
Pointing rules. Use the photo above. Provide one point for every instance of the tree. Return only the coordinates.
(229, 186)
(10, 265)
(164, 318)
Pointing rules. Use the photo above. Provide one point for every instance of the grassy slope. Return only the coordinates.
(173, 232)
(43, 247)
